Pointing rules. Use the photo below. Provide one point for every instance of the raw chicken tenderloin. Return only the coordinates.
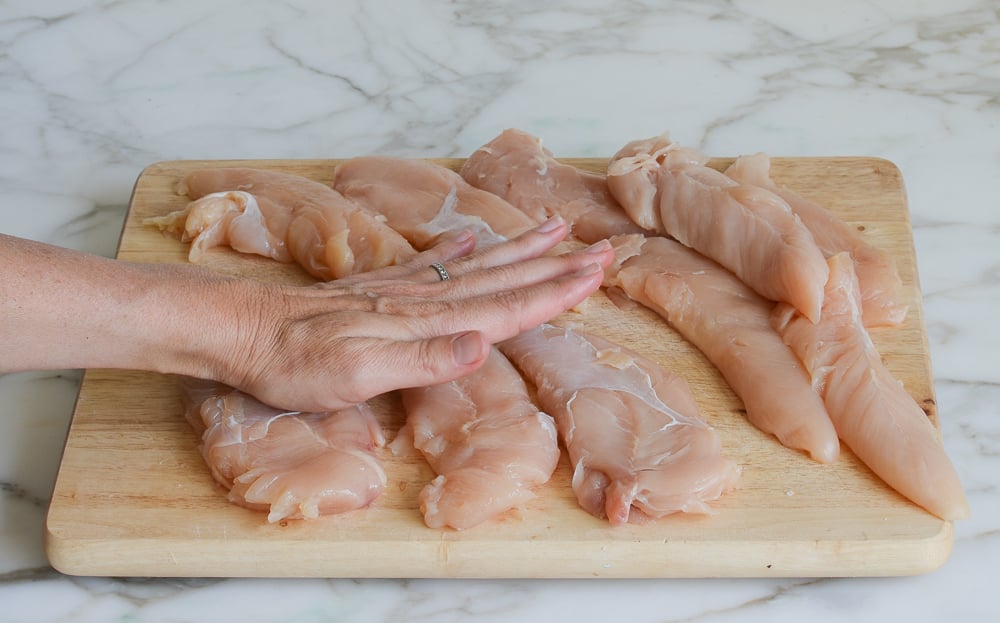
(443, 500)
(232, 218)
(516, 167)
(881, 299)
(730, 324)
(748, 229)
(422, 200)
(488, 443)
(483, 436)
(436, 203)
(328, 235)
(293, 465)
(633, 431)
(873, 413)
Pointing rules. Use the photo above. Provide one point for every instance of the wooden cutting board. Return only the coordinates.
(134, 498)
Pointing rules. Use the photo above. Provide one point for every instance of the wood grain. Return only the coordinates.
(134, 498)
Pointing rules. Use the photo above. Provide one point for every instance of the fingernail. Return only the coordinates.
(464, 236)
(598, 247)
(467, 348)
(551, 224)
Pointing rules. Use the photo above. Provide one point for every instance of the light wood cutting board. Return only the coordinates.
(133, 497)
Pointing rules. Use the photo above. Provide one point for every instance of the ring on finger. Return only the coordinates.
(441, 271)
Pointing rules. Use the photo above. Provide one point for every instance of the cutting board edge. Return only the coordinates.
(473, 560)
(935, 551)
(878, 163)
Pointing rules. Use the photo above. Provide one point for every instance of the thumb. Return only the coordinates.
(467, 349)
(431, 361)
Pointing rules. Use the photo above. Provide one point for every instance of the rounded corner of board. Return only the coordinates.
(157, 167)
(58, 552)
(884, 167)
(938, 549)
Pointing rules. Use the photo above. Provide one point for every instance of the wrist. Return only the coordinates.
(206, 324)
(65, 309)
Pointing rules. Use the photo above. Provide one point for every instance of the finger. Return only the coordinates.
(395, 364)
(450, 247)
(525, 273)
(511, 312)
(395, 280)
(531, 244)
(467, 296)
(366, 367)
(497, 315)
(419, 268)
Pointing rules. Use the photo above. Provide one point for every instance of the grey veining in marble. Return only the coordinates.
(92, 92)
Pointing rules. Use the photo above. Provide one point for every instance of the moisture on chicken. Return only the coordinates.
(516, 167)
(488, 443)
(749, 230)
(304, 220)
(730, 324)
(871, 411)
(623, 404)
(293, 465)
(881, 286)
(421, 200)
(636, 441)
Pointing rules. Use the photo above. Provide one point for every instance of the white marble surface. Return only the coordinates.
(91, 92)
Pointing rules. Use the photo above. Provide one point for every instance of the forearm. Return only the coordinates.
(306, 348)
(64, 309)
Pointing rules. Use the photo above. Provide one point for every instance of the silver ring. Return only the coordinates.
(441, 271)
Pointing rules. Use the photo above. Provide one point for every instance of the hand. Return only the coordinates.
(335, 344)
(311, 348)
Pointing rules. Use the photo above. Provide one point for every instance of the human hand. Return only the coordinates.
(339, 343)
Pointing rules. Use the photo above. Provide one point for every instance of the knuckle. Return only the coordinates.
(352, 381)
(427, 361)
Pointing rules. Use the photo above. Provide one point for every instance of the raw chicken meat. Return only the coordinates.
(232, 218)
(881, 300)
(489, 444)
(730, 324)
(633, 431)
(293, 465)
(483, 436)
(748, 229)
(422, 200)
(872, 411)
(475, 481)
(516, 167)
(688, 487)
(308, 222)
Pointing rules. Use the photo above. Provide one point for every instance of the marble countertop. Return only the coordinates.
(92, 92)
